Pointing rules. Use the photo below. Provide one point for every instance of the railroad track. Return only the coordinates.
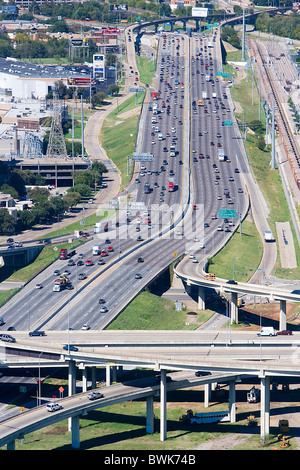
(282, 126)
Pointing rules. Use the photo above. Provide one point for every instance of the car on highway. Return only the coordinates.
(70, 347)
(56, 272)
(39, 285)
(71, 262)
(101, 262)
(101, 301)
(53, 407)
(37, 333)
(139, 239)
(89, 262)
(138, 276)
(200, 373)
(95, 395)
(140, 259)
(110, 249)
(7, 338)
(80, 262)
(103, 309)
(284, 333)
(81, 276)
(85, 327)
(10, 240)
(231, 281)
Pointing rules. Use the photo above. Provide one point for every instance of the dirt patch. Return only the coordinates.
(224, 442)
(270, 312)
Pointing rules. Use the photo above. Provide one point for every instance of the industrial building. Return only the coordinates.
(31, 81)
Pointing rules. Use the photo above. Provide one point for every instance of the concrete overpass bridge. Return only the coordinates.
(234, 290)
(245, 356)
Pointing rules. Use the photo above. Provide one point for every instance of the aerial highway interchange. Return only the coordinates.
(183, 64)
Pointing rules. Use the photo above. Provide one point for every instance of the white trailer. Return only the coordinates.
(268, 236)
(96, 249)
(221, 155)
(204, 95)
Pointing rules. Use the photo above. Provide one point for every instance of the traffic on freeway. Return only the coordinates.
(194, 171)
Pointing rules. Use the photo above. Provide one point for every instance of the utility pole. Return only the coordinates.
(273, 137)
(243, 40)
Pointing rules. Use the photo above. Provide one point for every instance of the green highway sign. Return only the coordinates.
(227, 214)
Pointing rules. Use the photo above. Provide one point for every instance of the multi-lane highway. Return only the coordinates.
(186, 66)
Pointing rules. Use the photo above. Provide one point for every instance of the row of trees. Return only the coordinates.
(285, 26)
(45, 207)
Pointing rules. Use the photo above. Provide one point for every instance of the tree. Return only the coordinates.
(98, 98)
(114, 89)
(38, 194)
(71, 199)
(7, 222)
(6, 189)
(58, 204)
(83, 189)
(261, 143)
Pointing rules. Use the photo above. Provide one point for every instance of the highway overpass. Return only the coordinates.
(246, 356)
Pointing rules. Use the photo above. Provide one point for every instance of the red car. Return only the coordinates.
(284, 332)
(147, 221)
(89, 262)
(195, 207)
(201, 155)
(103, 253)
(110, 248)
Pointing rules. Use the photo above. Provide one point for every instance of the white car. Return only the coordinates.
(85, 327)
(38, 286)
(53, 406)
(195, 260)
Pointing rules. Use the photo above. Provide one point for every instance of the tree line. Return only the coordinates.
(45, 207)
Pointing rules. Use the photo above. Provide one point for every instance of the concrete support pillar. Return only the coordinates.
(108, 380)
(71, 386)
(207, 394)
(75, 432)
(265, 407)
(234, 308)
(93, 377)
(150, 416)
(163, 406)
(232, 404)
(84, 379)
(11, 445)
(72, 378)
(114, 373)
(201, 298)
(282, 317)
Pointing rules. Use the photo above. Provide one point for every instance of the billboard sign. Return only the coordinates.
(99, 65)
(200, 12)
(142, 157)
(79, 81)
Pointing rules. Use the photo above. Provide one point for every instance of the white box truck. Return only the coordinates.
(204, 95)
(267, 331)
(268, 236)
(96, 249)
(102, 227)
(221, 155)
